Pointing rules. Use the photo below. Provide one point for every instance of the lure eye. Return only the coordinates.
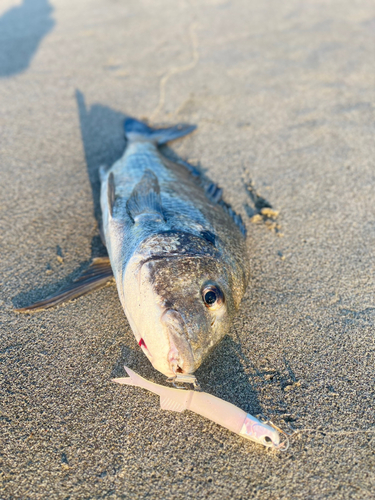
(213, 297)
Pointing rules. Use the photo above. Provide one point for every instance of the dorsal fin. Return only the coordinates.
(111, 192)
(214, 193)
(145, 200)
(237, 219)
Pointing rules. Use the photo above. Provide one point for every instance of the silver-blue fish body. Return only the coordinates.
(179, 260)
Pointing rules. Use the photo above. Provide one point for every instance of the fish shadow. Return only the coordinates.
(221, 374)
(103, 138)
(22, 29)
(103, 142)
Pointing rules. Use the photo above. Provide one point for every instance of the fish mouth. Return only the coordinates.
(176, 363)
(180, 355)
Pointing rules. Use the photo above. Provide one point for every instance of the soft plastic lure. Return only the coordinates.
(219, 411)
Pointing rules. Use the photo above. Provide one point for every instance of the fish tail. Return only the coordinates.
(136, 130)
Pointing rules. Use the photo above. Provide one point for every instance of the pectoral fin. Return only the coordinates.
(145, 200)
(97, 275)
(111, 192)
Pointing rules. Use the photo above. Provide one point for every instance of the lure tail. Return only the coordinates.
(139, 131)
(170, 399)
(133, 379)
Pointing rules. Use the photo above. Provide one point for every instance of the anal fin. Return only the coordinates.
(98, 274)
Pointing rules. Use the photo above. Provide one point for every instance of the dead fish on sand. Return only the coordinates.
(176, 250)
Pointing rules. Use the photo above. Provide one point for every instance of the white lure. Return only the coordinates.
(219, 411)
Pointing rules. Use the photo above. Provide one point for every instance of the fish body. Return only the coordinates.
(177, 255)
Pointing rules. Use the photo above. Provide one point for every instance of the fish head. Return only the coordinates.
(185, 305)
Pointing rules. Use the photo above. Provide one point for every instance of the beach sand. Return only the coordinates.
(283, 97)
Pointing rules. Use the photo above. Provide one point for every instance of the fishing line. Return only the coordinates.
(175, 70)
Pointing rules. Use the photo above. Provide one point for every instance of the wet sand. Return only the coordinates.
(282, 93)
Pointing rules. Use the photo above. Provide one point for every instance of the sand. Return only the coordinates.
(282, 93)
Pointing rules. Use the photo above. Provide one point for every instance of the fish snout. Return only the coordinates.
(180, 355)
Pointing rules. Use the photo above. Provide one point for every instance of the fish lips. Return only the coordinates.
(180, 356)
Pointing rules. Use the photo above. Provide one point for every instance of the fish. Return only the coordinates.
(215, 409)
(176, 250)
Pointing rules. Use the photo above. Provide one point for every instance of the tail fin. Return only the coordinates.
(139, 131)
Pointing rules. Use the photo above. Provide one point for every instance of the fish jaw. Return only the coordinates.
(180, 356)
(145, 312)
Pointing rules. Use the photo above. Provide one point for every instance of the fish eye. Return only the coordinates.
(213, 297)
